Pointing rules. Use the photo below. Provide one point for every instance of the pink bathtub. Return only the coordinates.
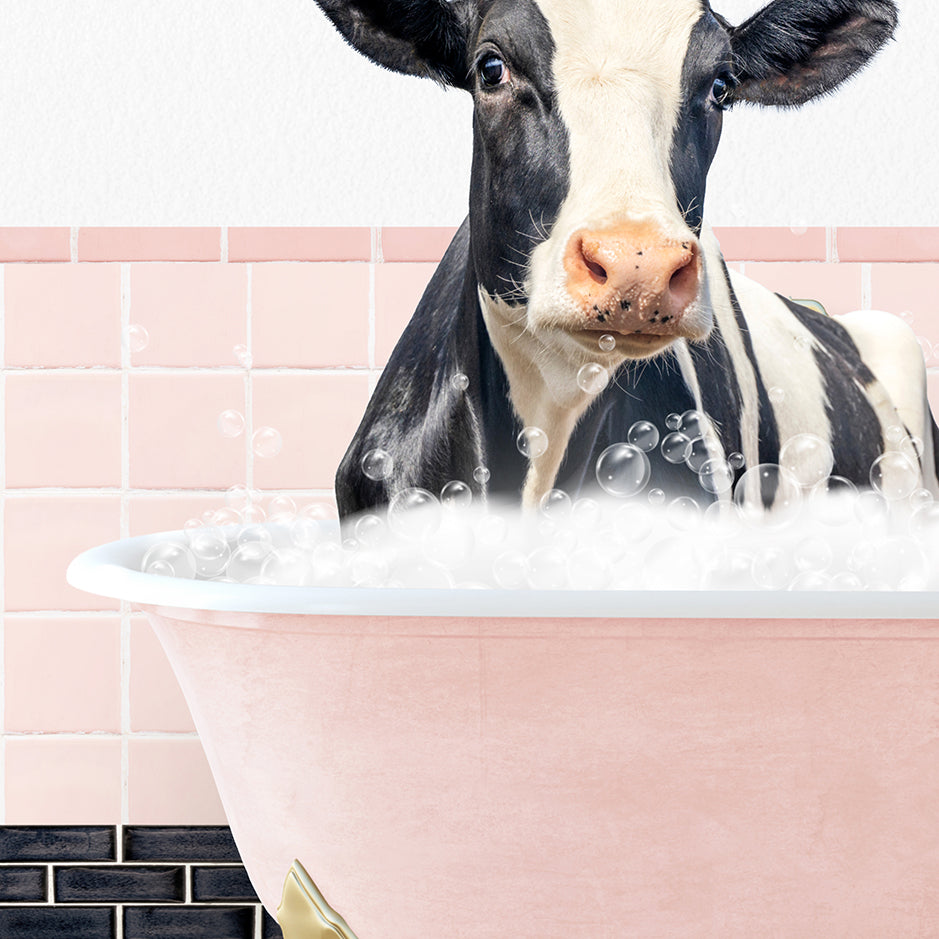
(542, 765)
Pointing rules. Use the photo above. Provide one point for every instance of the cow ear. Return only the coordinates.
(416, 37)
(792, 51)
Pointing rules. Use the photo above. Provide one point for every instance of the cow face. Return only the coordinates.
(595, 124)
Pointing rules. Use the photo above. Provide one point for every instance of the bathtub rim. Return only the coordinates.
(112, 570)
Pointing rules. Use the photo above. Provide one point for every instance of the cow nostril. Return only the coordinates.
(683, 285)
(597, 271)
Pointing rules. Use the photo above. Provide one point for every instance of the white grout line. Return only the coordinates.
(249, 381)
(73, 244)
(223, 246)
(831, 244)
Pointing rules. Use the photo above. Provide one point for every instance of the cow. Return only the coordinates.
(595, 124)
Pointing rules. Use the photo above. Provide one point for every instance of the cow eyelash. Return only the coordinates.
(721, 95)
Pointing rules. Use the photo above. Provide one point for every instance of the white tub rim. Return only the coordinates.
(112, 570)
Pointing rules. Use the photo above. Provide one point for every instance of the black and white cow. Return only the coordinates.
(595, 124)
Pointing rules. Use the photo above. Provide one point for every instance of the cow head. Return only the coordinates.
(595, 124)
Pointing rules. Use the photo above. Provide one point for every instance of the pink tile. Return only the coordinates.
(772, 244)
(169, 783)
(309, 315)
(398, 288)
(194, 314)
(174, 437)
(149, 244)
(836, 286)
(317, 416)
(911, 291)
(35, 244)
(62, 674)
(149, 513)
(888, 244)
(415, 244)
(299, 244)
(156, 702)
(63, 314)
(55, 781)
(41, 536)
(50, 414)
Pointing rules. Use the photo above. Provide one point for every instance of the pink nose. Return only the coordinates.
(632, 278)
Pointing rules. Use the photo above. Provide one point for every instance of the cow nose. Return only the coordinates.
(632, 279)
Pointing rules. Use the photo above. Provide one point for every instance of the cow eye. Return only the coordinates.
(493, 71)
(722, 92)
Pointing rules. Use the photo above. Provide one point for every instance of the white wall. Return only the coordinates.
(158, 112)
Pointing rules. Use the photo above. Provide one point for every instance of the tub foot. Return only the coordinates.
(304, 913)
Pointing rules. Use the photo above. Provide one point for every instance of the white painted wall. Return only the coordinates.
(244, 112)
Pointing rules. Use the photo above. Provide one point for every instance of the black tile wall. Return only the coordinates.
(139, 881)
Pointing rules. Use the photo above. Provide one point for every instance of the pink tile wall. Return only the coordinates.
(102, 440)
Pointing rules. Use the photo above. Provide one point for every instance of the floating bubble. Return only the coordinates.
(683, 514)
(288, 566)
(895, 433)
(810, 580)
(693, 424)
(422, 574)
(912, 448)
(736, 460)
(872, 509)
(328, 565)
(656, 497)
(169, 559)
(238, 497)
(266, 442)
(798, 229)
(812, 554)
(777, 395)
(459, 382)
(370, 569)
(586, 570)
(532, 442)
(675, 447)
(231, 423)
(924, 523)
(210, 550)
(253, 513)
(920, 497)
(413, 513)
(716, 475)
(927, 348)
(254, 531)
(378, 464)
(281, 508)
(547, 568)
(644, 435)
(894, 476)
(481, 475)
(587, 514)
(556, 504)
(773, 568)
(622, 470)
(491, 531)
(592, 378)
(248, 559)
(305, 533)
(510, 570)
(607, 343)
(698, 455)
(769, 495)
(456, 494)
(907, 317)
(242, 356)
(673, 421)
(808, 459)
(833, 499)
(845, 580)
(222, 517)
(136, 337)
(369, 529)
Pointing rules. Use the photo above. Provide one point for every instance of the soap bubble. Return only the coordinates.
(266, 442)
(675, 447)
(656, 497)
(592, 378)
(231, 423)
(253, 513)
(632, 523)
(328, 565)
(169, 559)
(588, 570)
(924, 523)
(622, 470)
(895, 433)
(210, 550)
(832, 500)
(894, 476)
(907, 317)
(238, 497)
(716, 475)
(812, 554)
(872, 509)
(556, 504)
(422, 574)
(413, 513)
(248, 559)
(456, 494)
(927, 348)
(288, 566)
(510, 569)
(768, 485)
(912, 448)
(644, 435)
(698, 454)
(305, 533)
(810, 580)
(459, 382)
(378, 464)
(222, 517)
(254, 531)
(693, 424)
(607, 343)
(491, 531)
(369, 529)
(777, 395)
(532, 442)
(136, 337)
(369, 569)
(920, 497)
(736, 460)
(586, 514)
(673, 421)
(242, 356)
(547, 568)
(807, 458)
(683, 514)
(481, 475)
(281, 508)
(773, 567)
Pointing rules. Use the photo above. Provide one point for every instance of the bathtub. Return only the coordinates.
(470, 764)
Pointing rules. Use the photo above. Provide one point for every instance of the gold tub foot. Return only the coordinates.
(304, 913)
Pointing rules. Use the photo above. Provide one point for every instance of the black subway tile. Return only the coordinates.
(49, 922)
(188, 922)
(179, 843)
(270, 929)
(119, 884)
(57, 843)
(23, 884)
(222, 883)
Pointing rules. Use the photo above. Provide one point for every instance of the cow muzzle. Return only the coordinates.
(633, 279)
